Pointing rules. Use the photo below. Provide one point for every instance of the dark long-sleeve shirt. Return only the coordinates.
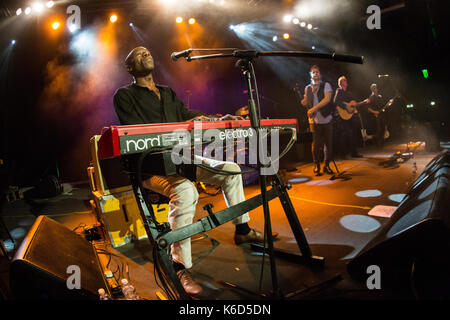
(139, 105)
(341, 96)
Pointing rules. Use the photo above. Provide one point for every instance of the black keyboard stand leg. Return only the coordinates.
(306, 256)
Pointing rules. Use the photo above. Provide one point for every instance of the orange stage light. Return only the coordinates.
(113, 18)
(191, 21)
(179, 19)
(286, 35)
(55, 25)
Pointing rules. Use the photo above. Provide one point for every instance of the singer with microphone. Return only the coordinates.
(144, 102)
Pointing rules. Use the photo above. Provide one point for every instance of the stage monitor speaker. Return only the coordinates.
(49, 258)
(412, 249)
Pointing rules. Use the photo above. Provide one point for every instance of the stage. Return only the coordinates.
(339, 217)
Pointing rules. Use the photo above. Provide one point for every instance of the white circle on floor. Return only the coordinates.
(359, 223)
(320, 182)
(368, 193)
(397, 197)
(18, 233)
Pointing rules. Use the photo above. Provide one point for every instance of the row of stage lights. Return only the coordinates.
(290, 18)
(37, 7)
(113, 19)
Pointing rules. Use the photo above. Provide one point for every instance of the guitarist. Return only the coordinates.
(318, 101)
(348, 130)
(375, 108)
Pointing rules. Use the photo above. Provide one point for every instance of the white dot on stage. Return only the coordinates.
(359, 223)
(368, 193)
(397, 197)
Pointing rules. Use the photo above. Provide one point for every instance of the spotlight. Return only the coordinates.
(38, 7)
(295, 21)
(232, 27)
(303, 24)
(131, 24)
(286, 35)
(50, 4)
(242, 27)
(179, 19)
(275, 38)
(13, 42)
(55, 25)
(191, 21)
(432, 103)
(309, 26)
(19, 11)
(313, 47)
(409, 106)
(72, 28)
(287, 18)
(27, 10)
(113, 18)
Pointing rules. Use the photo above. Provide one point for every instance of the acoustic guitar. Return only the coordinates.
(349, 109)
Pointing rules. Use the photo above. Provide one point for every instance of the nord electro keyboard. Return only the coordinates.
(116, 141)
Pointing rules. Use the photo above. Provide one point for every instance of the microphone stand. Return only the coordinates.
(245, 63)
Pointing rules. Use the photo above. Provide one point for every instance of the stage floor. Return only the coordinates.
(339, 217)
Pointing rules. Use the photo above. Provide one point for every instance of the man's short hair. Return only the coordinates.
(340, 79)
(314, 67)
(373, 85)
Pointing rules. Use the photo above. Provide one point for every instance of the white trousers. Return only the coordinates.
(183, 197)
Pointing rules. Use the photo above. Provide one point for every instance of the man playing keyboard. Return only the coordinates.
(145, 102)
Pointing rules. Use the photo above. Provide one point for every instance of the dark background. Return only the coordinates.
(54, 100)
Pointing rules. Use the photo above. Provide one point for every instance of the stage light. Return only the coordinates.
(191, 21)
(38, 7)
(131, 25)
(286, 35)
(410, 106)
(27, 10)
(432, 103)
(19, 11)
(425, 73)
(113, 18)
(179, 19)
(242, 27)
(275, 38)
(287, 18)
(72, 28)
(313, 47)
(302, 24)
(55, 25)
(295, 21)
(50, 4)
(13, 42)
(310, 26)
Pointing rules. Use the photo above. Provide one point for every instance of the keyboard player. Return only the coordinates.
(144, 102)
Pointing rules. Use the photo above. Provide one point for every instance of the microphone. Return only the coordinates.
(383, 75)
(177, 55)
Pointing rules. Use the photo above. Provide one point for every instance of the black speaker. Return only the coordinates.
(48, 257)
(412, 249)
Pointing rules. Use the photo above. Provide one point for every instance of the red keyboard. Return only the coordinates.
(116, 141)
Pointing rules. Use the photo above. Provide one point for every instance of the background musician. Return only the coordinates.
(145, 102)
(317, 100)
(348, 126)
(376, 116)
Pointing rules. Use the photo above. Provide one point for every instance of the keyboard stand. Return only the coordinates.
(161, 237)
